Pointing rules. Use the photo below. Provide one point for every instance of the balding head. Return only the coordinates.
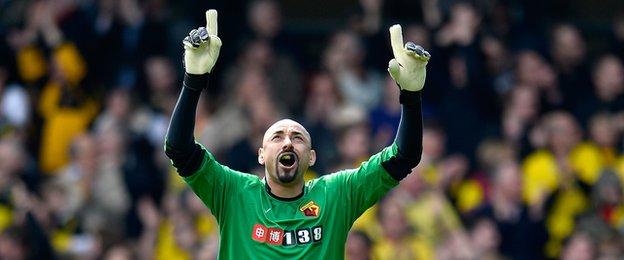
(286, 124)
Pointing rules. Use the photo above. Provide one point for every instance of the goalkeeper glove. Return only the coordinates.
(201, 47)
(408, 68)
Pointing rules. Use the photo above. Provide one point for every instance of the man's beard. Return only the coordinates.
(287, 177)
(287, 167)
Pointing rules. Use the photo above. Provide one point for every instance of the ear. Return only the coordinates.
(312, 158)
(261, 156)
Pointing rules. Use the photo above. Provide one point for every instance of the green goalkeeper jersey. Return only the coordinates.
(254, 224)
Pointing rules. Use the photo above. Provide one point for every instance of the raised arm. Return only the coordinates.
(201, 50)
(364, 186)
(408, 69)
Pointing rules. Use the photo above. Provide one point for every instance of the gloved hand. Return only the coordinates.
(408, 68)
(201, 47)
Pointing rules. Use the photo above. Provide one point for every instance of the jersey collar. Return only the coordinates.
(268, 190)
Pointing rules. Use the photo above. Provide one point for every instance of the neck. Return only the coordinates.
(284, 192)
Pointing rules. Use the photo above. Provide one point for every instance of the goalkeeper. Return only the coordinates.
(281, 215)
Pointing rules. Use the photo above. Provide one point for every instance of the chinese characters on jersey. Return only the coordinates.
(276, 236)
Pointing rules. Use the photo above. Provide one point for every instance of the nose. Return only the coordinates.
(287, 143)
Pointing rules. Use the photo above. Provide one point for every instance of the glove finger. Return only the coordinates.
(211, 21)
(215, 41)
(190, 36)
(417, 51)
(394, 68)
(396, 40)
(415, 56)
(195, 39)
(187, 42)
(203, 34)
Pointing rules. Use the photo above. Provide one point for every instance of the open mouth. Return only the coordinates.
(287, 159)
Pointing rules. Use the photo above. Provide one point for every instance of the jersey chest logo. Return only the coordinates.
(280, 237)
(310, 209)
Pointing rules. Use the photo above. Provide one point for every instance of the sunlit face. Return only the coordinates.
(286, 152)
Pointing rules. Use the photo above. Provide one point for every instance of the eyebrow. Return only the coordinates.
(295, 132)
(278, 132)
(282, 132)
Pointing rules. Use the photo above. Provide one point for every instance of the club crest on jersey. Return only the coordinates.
(310, 209)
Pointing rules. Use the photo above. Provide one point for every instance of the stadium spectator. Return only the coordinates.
(397, 242)
(281, 73)
(485, 239)
(359, 145)
(359, 246)
(515, 220)
(264, 22)
(64, 103)
(608, 89)
(344, 59)
(428, 212)
(322, 100)
(568, 51)
(519, 117)
(580, 246)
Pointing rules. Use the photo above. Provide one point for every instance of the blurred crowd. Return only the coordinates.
(524, 116)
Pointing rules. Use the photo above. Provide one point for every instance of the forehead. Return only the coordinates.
(286, 125)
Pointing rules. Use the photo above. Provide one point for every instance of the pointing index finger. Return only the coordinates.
(211, 21)
(396, 40)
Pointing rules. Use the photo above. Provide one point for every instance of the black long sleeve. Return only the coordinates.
(180, 145)
(408, 138)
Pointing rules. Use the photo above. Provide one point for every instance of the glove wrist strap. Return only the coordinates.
(410, 98)
(195, 82)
